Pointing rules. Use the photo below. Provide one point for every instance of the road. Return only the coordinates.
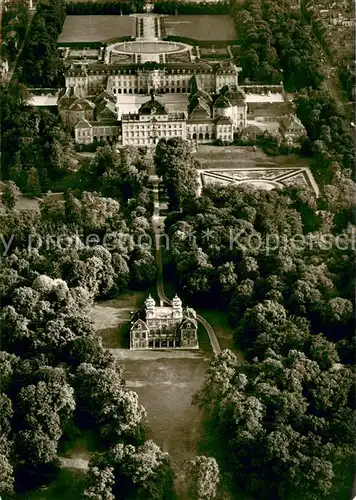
(330, 82)
(158, 225)
(10, 74)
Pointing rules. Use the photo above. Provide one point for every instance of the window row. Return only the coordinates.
(163, 133)
(200, 137)
(168, 90)
(224, 128)
(199, 128)
(157, 126)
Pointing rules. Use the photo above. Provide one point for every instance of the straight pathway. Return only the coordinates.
(157, 225)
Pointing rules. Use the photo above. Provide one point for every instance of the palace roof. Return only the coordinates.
(152, 107)
(222, 102)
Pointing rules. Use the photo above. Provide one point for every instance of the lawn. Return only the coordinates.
(244, 164)
(214, 157)
(222, 329)
(96, 28)
(217, 28)
(111, 317)
(165, 382)
(69, 483)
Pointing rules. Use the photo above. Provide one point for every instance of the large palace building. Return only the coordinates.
(138, 91)
(142, 78)
(96, 104)
(159, 327)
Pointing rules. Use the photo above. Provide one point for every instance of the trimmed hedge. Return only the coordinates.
(115, 7)
(181, 39)
(81, 45)
(215, 57)
(173, 7)
(94, 45)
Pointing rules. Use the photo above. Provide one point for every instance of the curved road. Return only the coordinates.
(158, 224)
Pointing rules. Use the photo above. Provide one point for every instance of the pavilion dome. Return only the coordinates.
(176, 302)
(150, 302)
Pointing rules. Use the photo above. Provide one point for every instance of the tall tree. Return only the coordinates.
(33, 187)
(10, 195)
(202, 478)
(178, 168)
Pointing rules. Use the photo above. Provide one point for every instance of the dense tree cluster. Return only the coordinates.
(113, 7)
(42, 64)
(228, 245)
(277, 44)
(122, 175)
(177, 167)
(10, 195)
(35, 151)
(287, 285)
(84, 240)
(346, 74)
(286, 416)
(202, 478)
(318, 26)
(125, 471)
(54, 373)
(283, 420)
(173, 7)
(14, 21)
(275, 38)
(328, 130)
(57, 380)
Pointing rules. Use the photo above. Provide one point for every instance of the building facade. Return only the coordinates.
(292, 130)
(162, 327)
(152, 123)
(207, 119)
(90, 120)
(88, 80)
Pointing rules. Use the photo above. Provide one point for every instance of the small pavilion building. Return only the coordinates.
(164, 327)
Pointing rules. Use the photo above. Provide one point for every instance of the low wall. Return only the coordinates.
(262, 89)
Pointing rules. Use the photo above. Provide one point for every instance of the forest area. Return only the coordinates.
(283, 423)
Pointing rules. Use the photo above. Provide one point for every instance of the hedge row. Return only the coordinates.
(115, 7)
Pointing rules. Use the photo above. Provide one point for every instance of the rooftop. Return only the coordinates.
(152, 107)
(264, 98)
(43, 100)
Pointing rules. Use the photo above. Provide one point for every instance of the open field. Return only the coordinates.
(24, 203)
(214, 53)
(201, 27)
(111, 317)
(216, 158)
(96, 28)
(165, 382)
